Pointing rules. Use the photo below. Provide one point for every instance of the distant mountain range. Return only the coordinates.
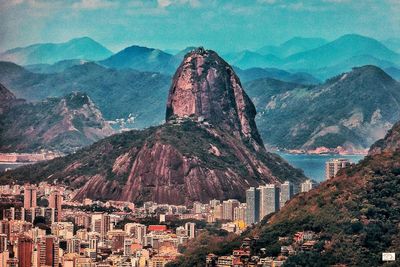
(118, 93)
(309, 56)
(352, 110)
(292, 103)
(59, 124)
(50, 53)
(292, 46)
(324, 60)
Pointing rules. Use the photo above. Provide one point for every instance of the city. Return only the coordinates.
(43, 226)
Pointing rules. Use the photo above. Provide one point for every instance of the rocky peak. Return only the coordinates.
(206, 87)
(390, 143)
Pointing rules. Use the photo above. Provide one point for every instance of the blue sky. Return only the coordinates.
(173, 24)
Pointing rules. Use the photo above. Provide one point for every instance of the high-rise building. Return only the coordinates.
(227, 208)
(25, 248)
(269, 199)
(49, 251)
(30, 197)
(101, 224)
(3, 242)
(137, 231)
(286, 193)
(128, 247)
(73, 245)
(197, 206)
(333, 166)
(239, 213)
(55, 202)
(253, 206)
(190, 228)
(214, 203)
(307, 186)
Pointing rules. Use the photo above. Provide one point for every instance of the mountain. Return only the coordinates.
(7, 100)
(117, 93)
(57, 67)
(352, 110)
(292, 46)
(354, 217)
(142, 59)
(49, 53)
(247, 59)
(341, 49)
(278, 74)
(208, 148)
(62, 124)
(394, 72)
(393, 44)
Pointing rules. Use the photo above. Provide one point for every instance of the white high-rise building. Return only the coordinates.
(306, 186)
(228, 207)
(287, 192)
(253, 205)
(269, 199)
(333, 166)
(190, 228)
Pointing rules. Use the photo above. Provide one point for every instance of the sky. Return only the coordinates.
(223, 25)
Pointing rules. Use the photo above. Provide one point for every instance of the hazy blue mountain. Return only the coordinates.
(49, 53)
(292, 46)
(59, 66)
(393, 43)
(394, 72)
(352, 110)
(273, 73)
(339, 50)
(247, 59)
(142, 59)
(348, 64)
(117, 93)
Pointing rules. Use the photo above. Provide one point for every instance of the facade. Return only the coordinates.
(228, 207)
(190, 229)
(30, 197)
(25, 248)
(55, 202)
(269, 199)
(333, 166)
(307, 186)
(253, 206)
(287, 192)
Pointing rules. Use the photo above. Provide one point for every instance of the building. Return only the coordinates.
(55, 202)
(253, 206)
(49, 251)
(25, 248)
(287, 192)
(228, 207)
(190, 229)
(333, 166)
(269, 199)
(239, 213)
(30, 197)
(307, 186)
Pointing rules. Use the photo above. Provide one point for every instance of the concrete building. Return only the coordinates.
(228, 207)
(269, 199)
(333, 166)
(306, 186)
(190, 229)
(253, 206)
(30, 197)
(286, 193)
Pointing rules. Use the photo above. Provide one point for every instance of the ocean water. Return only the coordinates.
(314, 165)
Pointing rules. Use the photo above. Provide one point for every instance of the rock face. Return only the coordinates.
(206, 87)
(7, 99)
(184, 160)
(62, 124)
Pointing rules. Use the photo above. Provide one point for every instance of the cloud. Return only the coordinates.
(167, 3)
(94, 4)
